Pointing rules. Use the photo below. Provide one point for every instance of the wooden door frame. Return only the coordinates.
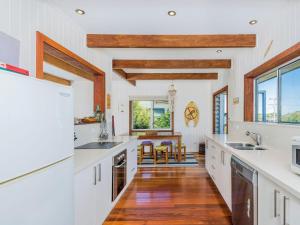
(56, 54)
(222, 90)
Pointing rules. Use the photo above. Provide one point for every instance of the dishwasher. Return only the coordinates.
(244, 193)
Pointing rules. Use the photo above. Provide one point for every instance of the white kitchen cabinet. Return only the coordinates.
(85, 188)
(226, 177)
(218, 166)
(103, 190)
(131, 161)
(275, 205)
(211, 160)
(93, 187)
(93, 191)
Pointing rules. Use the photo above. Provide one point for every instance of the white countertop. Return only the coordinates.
(273, 164)
(83, 158)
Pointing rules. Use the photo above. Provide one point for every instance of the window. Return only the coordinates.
(150, 115)
(277, 95)
(220, 114)
(266, 98)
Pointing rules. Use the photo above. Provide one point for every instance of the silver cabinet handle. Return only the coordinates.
(132, 169)
(95, 175)
(276, 193)
(285, 200)
(99, 172)
(132, 150)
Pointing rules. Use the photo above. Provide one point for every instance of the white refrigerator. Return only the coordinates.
(36, 151)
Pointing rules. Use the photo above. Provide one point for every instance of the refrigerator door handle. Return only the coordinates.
(99, 172)
(95, 175)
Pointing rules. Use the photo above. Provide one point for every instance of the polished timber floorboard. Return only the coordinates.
(171, 196)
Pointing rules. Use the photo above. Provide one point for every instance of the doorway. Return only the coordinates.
(220, 111)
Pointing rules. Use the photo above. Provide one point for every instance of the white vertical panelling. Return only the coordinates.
(22, 18)
(284, 29)
(198, 91)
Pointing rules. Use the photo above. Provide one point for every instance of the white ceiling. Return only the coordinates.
(193, 17)
(150, 16)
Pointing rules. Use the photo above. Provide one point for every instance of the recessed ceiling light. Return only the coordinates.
(80, 11)
(253, 22)
(219, 51)
(172, 13)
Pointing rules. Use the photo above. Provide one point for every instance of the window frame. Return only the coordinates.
(283, 57)
(279, 92)
(131, 130)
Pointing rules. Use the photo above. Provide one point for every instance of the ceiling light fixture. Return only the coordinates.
(172, 13)
(80, 11)
(219, 51)
(253, 22)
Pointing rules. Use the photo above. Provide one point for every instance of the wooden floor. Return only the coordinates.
(171, 196)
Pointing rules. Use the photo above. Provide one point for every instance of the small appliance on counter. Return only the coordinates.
(295, 167)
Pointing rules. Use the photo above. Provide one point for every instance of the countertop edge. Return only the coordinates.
(94, 155)
(267, 174)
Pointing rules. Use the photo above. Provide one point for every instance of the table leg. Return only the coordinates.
(179, 149)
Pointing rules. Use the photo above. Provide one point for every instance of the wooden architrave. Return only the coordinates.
(283, 57)
(222, 90)
(54, 53)
(171, 41)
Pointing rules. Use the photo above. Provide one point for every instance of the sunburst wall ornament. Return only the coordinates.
(191, 113)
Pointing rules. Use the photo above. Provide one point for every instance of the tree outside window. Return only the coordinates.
(151, 115)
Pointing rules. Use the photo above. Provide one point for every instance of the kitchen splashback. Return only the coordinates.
(278, 136)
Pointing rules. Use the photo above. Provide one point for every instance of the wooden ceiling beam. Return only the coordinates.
(171, 41)
(124, 75)
(173, 64)
(172, 76)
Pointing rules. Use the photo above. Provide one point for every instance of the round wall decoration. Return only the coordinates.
(191, 113)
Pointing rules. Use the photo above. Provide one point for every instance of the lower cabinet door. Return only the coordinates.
(290, 210)
(131, 162)
(269, 202)
(103, 193)
(85, 192)
(227, 178)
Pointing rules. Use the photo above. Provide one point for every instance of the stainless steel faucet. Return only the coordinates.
(255, 136)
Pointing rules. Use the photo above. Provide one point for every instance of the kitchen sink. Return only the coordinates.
(245, 146)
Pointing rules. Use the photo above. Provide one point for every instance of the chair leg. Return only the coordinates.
(171, 149)
(154, 156)
(184, 152)
(141, 156)
(167, 157)
(151, 150)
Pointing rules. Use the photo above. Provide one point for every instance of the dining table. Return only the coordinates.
(177, 136)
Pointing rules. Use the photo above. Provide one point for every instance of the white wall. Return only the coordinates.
(284, 30)
(22, 18)
(198, 91)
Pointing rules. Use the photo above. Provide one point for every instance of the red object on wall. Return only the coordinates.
(99, 92)
(14, 69)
